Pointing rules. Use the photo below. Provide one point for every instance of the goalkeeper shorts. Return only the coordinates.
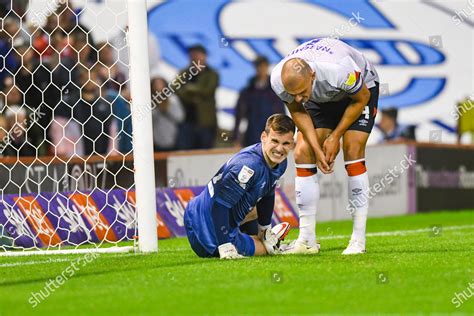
(242, 242)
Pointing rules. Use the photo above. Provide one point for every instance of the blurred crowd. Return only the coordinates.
(62, 93)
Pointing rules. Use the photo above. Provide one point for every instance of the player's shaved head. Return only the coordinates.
(297, 78)
(295, 74)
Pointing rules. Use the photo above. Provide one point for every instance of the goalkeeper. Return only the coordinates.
(247, 180)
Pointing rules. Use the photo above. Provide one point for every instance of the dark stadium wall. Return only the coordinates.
(444, 178)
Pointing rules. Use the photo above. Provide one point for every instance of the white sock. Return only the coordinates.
(358, 200)
(307, 197)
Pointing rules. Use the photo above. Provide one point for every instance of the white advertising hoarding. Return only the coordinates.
(386, 164)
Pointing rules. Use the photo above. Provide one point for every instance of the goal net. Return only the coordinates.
(70, 146)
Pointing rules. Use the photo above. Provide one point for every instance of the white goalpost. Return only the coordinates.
(142, 122)
(77, 170)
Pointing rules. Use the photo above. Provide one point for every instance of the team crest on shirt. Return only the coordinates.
(245, 174)
(352, 78)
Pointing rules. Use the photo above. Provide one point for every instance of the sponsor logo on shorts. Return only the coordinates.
(363, 122)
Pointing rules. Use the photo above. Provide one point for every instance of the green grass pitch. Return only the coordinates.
(410, 267)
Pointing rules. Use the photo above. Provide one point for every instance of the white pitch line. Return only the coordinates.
(50, 260)
(27, 263)
(401, 232)
(377, 234)
(389, 233)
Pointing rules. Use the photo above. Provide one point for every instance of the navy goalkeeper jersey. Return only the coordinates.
(244, 182)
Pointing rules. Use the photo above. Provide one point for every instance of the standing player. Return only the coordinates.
(247, 180)
(331, 91)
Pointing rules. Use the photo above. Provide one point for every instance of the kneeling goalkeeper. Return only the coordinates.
(247, 180)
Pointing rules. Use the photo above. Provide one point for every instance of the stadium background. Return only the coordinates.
(423, 52)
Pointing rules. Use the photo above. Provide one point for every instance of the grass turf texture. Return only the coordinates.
(416, 272)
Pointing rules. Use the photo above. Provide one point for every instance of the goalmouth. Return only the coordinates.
(63, 95)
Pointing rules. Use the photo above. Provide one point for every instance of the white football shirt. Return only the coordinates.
(340, 70)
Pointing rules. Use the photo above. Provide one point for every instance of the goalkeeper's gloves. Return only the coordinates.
(271, 237)
(228, 251)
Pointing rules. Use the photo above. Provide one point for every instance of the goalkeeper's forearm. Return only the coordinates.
(265, 211)
(220, 219)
